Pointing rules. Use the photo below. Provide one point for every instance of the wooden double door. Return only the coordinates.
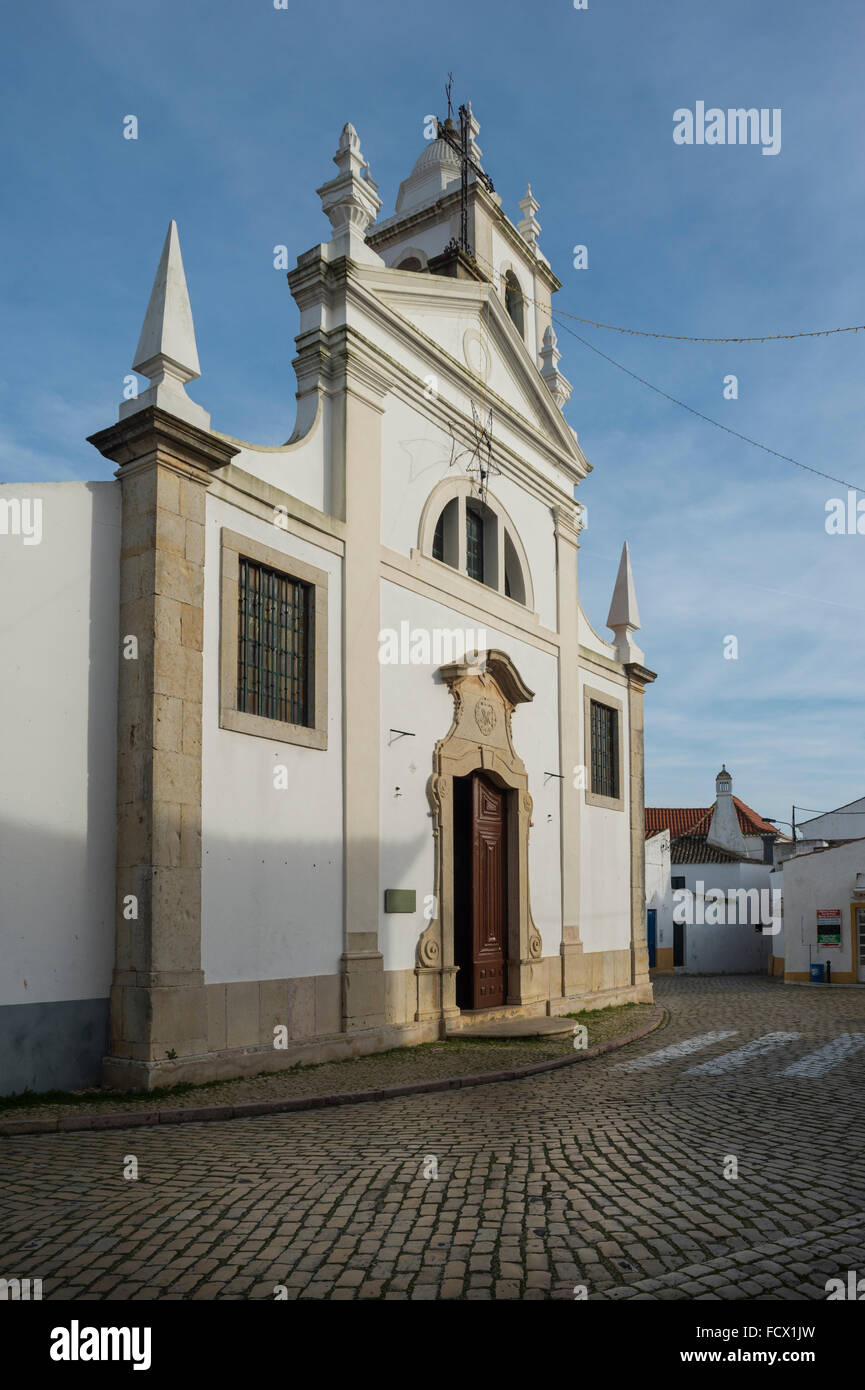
(480, 892)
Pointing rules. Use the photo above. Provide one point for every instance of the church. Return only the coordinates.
(316, 751)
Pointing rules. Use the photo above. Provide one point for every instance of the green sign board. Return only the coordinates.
(400, 900)
(828, 926)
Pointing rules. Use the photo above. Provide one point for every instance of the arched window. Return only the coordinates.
(478, 539)
(514, 301)
(439, 539)
(474, 542)
(410, 258)
(514, 584)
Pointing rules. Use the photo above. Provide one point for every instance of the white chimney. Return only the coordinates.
(725, 832)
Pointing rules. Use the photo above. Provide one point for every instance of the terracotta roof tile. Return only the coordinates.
(696, 820)
(751, 823)
(692, 849)
(677, 819)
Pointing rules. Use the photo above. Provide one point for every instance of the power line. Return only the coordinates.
(686, 338)
(700, 416)
(754, 443)
(683, 337)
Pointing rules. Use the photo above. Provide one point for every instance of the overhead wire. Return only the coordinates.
(557, 315)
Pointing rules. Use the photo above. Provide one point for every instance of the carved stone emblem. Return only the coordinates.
(485, 716)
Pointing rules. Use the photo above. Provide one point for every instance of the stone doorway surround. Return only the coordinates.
(486, 688)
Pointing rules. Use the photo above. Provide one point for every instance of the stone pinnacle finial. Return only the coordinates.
(166, 352)
(624, 616)
(350, 201)
(559, 386)
(529, 228)
(474, 130)
(348, 158)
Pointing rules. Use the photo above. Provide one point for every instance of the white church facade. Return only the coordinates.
(316, 752)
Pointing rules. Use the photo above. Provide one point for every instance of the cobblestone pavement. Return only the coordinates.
(602, 1175)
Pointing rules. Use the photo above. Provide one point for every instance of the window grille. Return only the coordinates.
(605, 750)
(474, 545)
(514, 301)
(274, 629)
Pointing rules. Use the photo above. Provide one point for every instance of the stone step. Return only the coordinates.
(472, 1025)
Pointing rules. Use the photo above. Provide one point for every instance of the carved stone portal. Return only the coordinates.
(486, 692)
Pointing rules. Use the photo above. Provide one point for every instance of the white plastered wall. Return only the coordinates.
(58, 713)
(605, 835)
(726, 948)
(272, 861)
(824, 879)
(658, 891)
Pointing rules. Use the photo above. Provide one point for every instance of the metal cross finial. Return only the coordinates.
(460, 143)
(448, 85)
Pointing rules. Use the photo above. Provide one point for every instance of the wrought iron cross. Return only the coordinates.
(480, 464)
(459, 141)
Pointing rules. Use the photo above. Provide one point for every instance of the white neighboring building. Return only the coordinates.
(845, 823)
(327, 756)
(58, 713)
(720, 850)
(703, 946)
(823, 890)
(659, 895)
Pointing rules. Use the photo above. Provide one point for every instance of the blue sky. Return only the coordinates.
(240, 107)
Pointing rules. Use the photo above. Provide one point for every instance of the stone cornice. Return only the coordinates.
(567, 522)
(395, 228)
(466, 596)
(316, 281)
(342, 360)
(152, 432)
(262, 499)
(361, 367)
(604, 664)
(640, 675)
(500, 666)
(568, 456)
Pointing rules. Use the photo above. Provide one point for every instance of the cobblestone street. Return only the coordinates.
(609, 1175)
